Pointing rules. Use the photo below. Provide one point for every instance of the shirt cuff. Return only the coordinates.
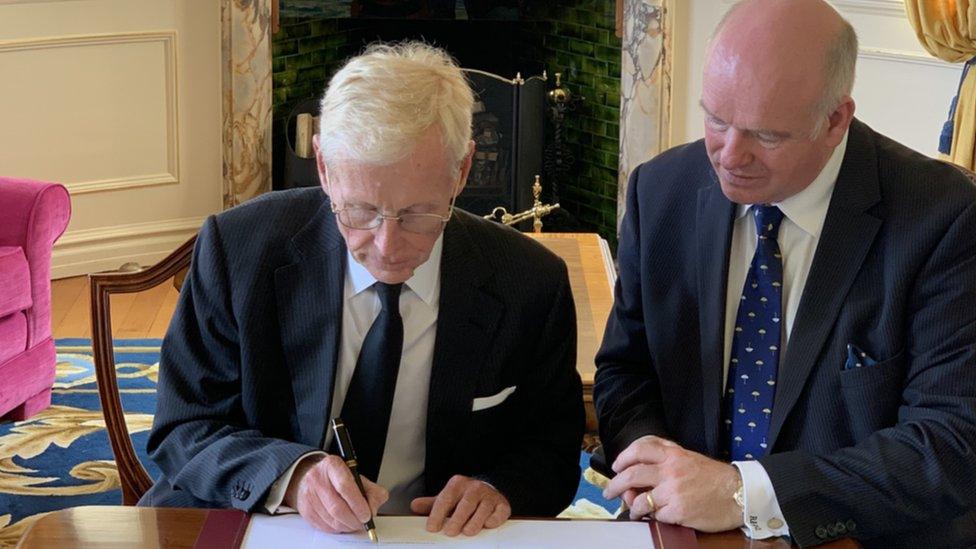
(272, 503)
(761, 515)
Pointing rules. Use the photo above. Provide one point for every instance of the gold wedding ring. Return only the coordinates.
(650, 503)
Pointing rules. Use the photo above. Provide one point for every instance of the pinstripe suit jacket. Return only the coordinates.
(249, 360)
(888, 451)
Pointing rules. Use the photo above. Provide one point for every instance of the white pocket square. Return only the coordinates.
(482, 403)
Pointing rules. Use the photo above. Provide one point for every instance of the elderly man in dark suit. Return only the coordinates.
(445, 342)
(792, 349)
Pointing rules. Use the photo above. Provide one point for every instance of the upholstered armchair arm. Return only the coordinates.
(33, 215)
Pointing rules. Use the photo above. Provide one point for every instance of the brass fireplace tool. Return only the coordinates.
(537, 211)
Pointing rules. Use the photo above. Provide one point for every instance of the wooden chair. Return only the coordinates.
(133, 476)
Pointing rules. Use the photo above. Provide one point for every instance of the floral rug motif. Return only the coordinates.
(62, 458)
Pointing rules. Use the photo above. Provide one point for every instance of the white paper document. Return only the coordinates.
(292, 532)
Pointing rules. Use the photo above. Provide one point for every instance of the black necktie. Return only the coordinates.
(369, 400)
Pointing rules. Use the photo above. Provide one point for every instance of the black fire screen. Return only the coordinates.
(508, 130)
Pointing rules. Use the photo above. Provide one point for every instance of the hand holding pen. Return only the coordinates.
(349, 456)
(324, 491)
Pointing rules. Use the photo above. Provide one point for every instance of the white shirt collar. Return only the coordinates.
(423, 282)
(807, 209)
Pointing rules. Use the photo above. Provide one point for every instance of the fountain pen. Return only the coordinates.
(349, 456)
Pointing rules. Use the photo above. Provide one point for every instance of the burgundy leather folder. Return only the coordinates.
(223, 528)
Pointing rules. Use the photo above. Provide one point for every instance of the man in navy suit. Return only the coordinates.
(792, 349)
(445, 342)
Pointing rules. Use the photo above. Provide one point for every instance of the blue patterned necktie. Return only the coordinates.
(754, 361)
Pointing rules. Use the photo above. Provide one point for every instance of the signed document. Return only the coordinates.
(291, 531)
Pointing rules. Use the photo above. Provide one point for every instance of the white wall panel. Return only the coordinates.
(103, 107)
(121, 101)
(905, 95)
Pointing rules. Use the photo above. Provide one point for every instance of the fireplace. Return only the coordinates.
(506, 46)
(507, 131)
(497, 44)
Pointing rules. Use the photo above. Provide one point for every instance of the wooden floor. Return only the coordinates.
(134, 316)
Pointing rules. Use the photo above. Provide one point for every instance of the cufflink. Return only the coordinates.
(775, 523)
(739, 496)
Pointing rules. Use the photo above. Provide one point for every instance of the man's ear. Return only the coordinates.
(839, 120)
(320, 164)
(465, 168)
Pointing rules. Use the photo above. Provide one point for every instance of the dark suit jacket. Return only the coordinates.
(887, 451)
(250, 357)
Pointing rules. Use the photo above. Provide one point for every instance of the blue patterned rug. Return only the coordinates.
(62, 458)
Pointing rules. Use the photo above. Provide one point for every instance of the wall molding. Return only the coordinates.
(873, 7)
(168, 41)
(2, 2)
(107, 248)
(901, 56)
(149, 180)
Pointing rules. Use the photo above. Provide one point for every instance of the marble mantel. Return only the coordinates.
(246, 97)
(645, 87)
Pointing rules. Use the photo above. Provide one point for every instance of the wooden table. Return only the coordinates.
(591, 276)
(121, 526)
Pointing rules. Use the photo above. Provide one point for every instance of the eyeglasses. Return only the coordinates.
(368, 218)
(355, 217)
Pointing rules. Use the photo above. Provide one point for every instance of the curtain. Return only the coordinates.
(947, 30)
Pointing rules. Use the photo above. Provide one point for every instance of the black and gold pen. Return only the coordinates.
(348, 455)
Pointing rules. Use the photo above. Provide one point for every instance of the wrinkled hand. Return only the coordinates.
(466, 504)
(325, 493)
(687, 488)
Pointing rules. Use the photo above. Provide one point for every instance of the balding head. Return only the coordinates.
(776, 94)
(805, 42)
(791, 20)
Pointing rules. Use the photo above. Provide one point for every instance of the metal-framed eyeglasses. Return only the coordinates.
(368, 218)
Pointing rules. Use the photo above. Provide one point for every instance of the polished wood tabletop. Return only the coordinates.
(116, 527)
(591, 276)
(122, 526)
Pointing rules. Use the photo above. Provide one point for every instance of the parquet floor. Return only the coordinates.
(137, 316)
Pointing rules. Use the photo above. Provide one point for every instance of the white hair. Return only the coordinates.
(840, 63)
(380, 104)
(839, 69)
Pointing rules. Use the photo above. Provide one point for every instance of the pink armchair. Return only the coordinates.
(32, 216)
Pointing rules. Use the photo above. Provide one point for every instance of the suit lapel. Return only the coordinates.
(714, 222)
(848, 232)
(309, 295)
(466, 322)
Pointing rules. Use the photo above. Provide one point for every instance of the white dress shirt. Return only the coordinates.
(799, 233)
(404, 455)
